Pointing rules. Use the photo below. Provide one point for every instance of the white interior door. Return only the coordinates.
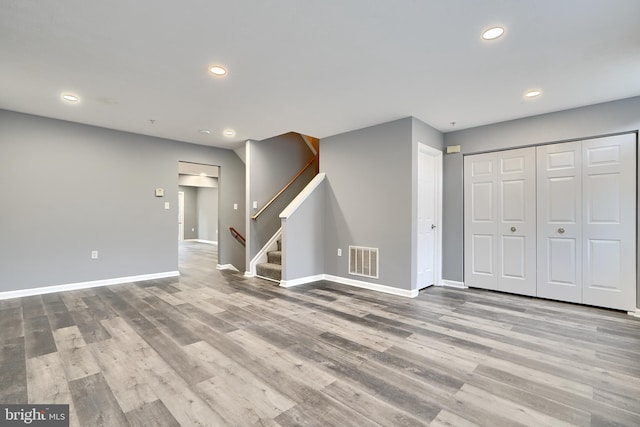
(481, 220)
(609, 222)
(180, 216)
(560, 221)
(517, 221)
(429, 170)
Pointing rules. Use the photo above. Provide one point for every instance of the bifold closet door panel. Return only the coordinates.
(517, 221)
(559, 208)
(481, 221)
(609, 222)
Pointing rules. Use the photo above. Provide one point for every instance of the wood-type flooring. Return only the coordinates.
(213, 348)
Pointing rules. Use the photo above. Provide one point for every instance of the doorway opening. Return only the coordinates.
(198, 218)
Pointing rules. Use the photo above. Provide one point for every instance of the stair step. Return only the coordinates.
(274, 257)
(269, 271)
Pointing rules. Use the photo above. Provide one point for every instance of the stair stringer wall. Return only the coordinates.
(271, 164)
(303, 234)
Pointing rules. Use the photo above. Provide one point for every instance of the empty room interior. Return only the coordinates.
(337, 213)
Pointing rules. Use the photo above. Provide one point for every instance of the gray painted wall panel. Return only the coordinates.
(85, 188)
(190, 211)
(303, 238)
(208, 214)
(369, 199)
(595, 120)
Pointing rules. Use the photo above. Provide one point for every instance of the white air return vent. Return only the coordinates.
(363, 261)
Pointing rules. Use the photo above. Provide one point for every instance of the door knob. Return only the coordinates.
(433, 226)
(513, 229)
(561, 230)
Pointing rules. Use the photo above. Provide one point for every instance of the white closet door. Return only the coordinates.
(481, 221)
(559, 221)
(609, 222)
(517, 221)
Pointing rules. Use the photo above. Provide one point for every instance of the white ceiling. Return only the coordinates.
(314, 67)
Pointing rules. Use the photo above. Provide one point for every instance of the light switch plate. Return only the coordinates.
(167, 205)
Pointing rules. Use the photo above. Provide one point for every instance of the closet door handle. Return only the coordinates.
(561, 230)
(513, 229)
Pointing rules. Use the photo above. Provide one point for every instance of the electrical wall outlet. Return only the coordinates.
(94, 254)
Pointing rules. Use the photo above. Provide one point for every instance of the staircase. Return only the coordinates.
(272, 269)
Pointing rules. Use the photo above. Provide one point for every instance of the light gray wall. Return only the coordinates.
(303, 238)
(272, 164)
(190, 211)
(369, 200)
(85, 188)
(595, 120)
(208, 214)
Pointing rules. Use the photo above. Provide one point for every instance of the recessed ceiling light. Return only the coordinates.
(533, 93)
(492, 33)
(229, 132)
(217, 70)
(69, 97)
(205, 131)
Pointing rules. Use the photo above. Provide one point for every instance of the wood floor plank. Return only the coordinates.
(13, 371)
(94, 402)
(38, 336)
(89, 326)
(127, 383)
(78, 361)
(47, 384)
(151, 414)
(57, 311)
(369, 406)
(11, 323)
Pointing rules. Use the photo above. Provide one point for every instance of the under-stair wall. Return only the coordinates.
(303, 235)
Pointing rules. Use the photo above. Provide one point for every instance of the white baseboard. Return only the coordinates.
(85, 285)
(226, 267)
(301, 281)
(453, 284)
(248, 274)
(373, 286)
(634, 313)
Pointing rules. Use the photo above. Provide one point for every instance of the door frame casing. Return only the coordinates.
(437, 262)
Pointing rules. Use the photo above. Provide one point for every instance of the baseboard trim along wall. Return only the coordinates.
(634, 313)
(226, 267)
(85, 285)
(301, 281)
(453, 284)
(351, 282)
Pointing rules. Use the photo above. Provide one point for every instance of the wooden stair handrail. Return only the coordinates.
(273, 199)
(235, 233)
